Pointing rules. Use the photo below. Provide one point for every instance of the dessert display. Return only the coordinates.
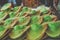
(30, 23)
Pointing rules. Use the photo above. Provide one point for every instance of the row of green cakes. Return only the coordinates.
(18, 26)
(36, 30)
(6, 25)
(53, 29)
(30, 23)
(12, 12)
(4, 11)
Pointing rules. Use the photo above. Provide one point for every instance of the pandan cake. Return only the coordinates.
(43, 10)
(3, 15)
(6, 6)
(53, 29)
(36, 19)
(36, 31)
(47, 18)
(4, 28)
(25, 11)
(20, 27)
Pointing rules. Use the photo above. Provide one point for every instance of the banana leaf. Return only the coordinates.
(25, 11)
(13, 14)
(43, 9)
(36, 19)
(8, 23)
(24, 20)
(36, 32)
(33, 12)
(18, 31)
(3, 15)
(15, 11)
(2, 28)
(20, 28)
(53, 29)
(48, 18)
(6, 6)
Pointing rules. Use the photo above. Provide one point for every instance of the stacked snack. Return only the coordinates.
(24, 23)
(5, 11)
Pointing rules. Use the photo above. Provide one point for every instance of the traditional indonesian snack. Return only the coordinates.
(12, 14)
(20, 28)
(43, 10)
(6, 6)
(36, 19)
(24, 20)
(36, 31)
(10, 21)
(5, 11)
(15, 11)
(32, 12)
(53, 29)
(47, 18)
(3, 15)
(24, 23)
(27, 11)
(18, 31)
(4, 28)
(24, 12)
(15, 8)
